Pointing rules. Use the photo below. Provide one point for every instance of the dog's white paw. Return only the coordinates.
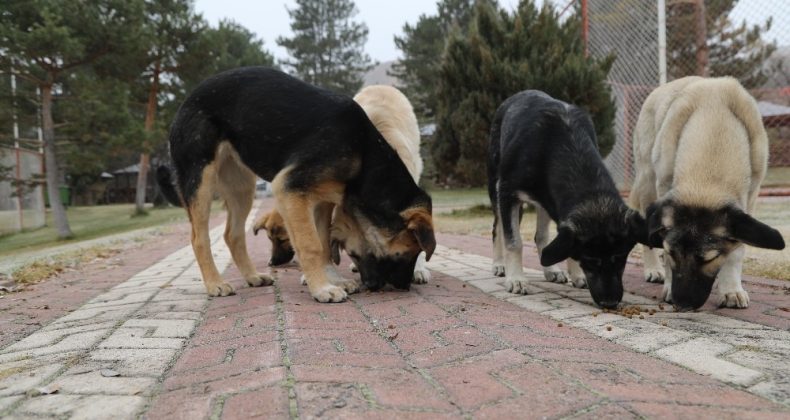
(303, 280)
(421, 276)
(666, 292)
(555, 276)
(499, 270)
(329, 293)
(517, 285)
(219, 288)
(579, 282)
(735, 299)
(260, 279)
(353, 268)
(654, 276)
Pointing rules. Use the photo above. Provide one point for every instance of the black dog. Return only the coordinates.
(318, 149)
(544, 151)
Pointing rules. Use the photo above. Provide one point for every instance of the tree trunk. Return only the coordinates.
(51, 165)
(701, 28)
(145, 156)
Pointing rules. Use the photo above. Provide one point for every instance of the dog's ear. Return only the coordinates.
(334, 247)
(746, 229)
(420, 224)
(560, 248)
(637, 226)
(655, 228)
(260, 224)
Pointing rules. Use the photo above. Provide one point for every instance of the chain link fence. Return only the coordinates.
(21, 192)
(746, 39)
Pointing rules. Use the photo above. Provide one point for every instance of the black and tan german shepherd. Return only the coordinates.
(544, 151)
(319, 150)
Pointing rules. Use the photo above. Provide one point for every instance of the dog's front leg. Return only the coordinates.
(498, 268)
(421, 273)
(323, 222)
(552, 273)
(666, 291)
(577, 274)
(654, 272)
(731, 292)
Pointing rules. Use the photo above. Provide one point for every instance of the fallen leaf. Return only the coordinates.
(109, 373)
(393, 336)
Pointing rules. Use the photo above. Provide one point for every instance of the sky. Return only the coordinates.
(385, 19)
(269, 19)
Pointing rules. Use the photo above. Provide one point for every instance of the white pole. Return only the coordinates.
(13, 108)
(662, 42)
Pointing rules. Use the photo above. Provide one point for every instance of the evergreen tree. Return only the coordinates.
(46, 41)
(733, 50)
(421, 46)
(502, 54)
(327, 48)
(172, 28)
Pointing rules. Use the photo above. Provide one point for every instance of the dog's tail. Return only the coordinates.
(164, 178)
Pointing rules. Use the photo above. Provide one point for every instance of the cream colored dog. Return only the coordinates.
(700, 153)
(392, 114)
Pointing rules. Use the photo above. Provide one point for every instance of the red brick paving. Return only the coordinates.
(440, 350)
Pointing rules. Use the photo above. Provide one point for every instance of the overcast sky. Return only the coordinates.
(385, 18)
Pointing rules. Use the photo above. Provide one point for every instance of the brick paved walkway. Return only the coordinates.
(154, 346)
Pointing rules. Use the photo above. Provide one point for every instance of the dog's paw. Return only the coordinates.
(303, 280)
(579, 282)
(499, 270)
(219, 289)
(260, 279)
(329, 293)
(735, 299)
(350, 286)
(421, 276)
(666, 293)
(353, 268)
(517, 285)
(654, 276)
(555, 276)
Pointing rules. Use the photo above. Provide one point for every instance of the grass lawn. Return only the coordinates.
(89, 223)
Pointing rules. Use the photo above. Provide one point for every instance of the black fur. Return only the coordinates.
(546, 149)
(164, 178)
(273, 120)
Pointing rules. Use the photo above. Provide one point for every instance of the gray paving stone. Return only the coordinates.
(93, 383)
(26, 377)
(77, 407)
(702, 355)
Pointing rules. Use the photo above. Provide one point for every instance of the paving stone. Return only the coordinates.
(701, 355)
(93, 383)
(84, 406)
(21, 377)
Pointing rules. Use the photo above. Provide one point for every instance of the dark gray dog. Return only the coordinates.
(544, 151)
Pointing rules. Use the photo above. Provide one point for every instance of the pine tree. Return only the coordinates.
(421, 46)
(732, 50)
(502, 54)
(327, 48)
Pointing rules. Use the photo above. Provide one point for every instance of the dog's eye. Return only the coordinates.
(709, 257)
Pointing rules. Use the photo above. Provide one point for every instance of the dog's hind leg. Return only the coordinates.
(499, 246)
(731, 292)
(236, 184)
(510, 215)
(198, 209)
(552, 273)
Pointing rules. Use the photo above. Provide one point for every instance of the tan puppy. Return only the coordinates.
(700, 152)
(392, 114)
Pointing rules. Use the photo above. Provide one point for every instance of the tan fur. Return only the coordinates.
(702, 142)
(393, 116)
(236, 185)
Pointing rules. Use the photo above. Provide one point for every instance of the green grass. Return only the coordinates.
(89, 223)
(777, 177)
